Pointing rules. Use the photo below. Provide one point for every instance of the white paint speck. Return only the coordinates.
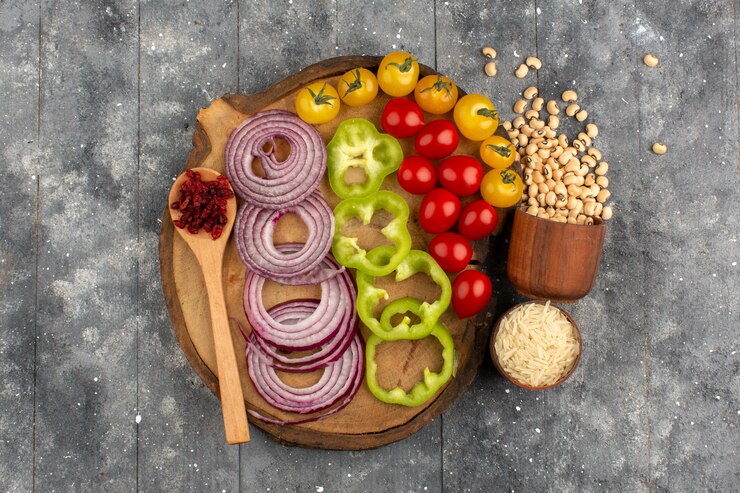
(537, 430)
(138, 419)
(319, 489)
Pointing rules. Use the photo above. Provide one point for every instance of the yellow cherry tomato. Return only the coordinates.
(497, 152)
(476, 117)
(358, 87)
(317, 103)
(502, 188)
(436, 94)
(398, 73)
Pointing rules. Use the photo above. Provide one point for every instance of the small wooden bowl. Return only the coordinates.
(549, 260)
(497, 363)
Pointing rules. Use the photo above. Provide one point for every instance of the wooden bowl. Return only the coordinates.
(549, 260)
(516, 382)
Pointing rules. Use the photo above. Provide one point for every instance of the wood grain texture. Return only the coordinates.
(188, 55)
(87, 302)
(367, 422)
(18, 158)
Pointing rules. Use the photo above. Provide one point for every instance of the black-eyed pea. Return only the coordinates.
(560, 189)
(549, 132)
(588, 161)
(570, 179)
(543, 153)
(547, 144)
(572, 165)
(579, 145)
(552, 107)
(582, 170)
(571, 220)
(532, 210)
(557, 152)
(603, 196)
(533, 62)
(513, 133)
(530, 92)
(541, 133)
(541, 200)
(537, 177)
(536, 139)
(490, 69)
(520, 151)
(543, 214)
(595, 153)
(520, 106)
(569, 95)
(529, 114)
(533, 201)
(543, 188)
(589, 221)
(551, 198)
(592, 130)
(574, 190)
(572, 109)
(595, 189)
(562, 200)
(521, 72)
(606, 213)
(553, 122)
(550, 183)
(581, 115)
(526, 130)
(538, 103)
(533, 190)
(581, 219)
(602, 168)
(506, 125)
(660, 148)
(563, 140)
(557, 174)
(519, 122)
(589, 208)
(565, 156)
(528, 177)
(585, 193)
(598, 209)
(583, 136)
(571, 202)
(602, 181)
(550, 211)
(522, 140)
(547, 171)
(531, 148)
(537, 124)
(650, 60)
(489, 52)
(589, 180)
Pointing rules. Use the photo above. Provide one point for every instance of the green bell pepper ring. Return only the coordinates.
(368, 297)
(422, 390)
(346, 249)
(357, 143)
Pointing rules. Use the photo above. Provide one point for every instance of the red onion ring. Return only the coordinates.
(329, 352)
(285, 183)
(254, 239)
(340, 379)
(337, 303)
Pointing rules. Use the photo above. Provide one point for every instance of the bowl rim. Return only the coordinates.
(497, 364)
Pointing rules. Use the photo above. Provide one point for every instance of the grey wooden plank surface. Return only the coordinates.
(188, 58)
(18, 127)
(87, 304)
(320, 30)
(693, 303)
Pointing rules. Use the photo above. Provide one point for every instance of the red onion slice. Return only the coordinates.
(285, 183)
(337, 303)
(254, 240)
(340, 379)
(295, 310)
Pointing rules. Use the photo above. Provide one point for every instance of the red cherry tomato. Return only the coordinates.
(451, 251)
(439, 210)
(417, 175)
(402, 118)
(460, 175)
(437, 139)
(477, 220)
(470, 293)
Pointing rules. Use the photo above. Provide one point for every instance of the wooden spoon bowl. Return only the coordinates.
(210, 255)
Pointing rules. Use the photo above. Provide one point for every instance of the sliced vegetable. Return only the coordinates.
(358, 87)
(476, 117)
(346, 249)
(502, 188)
(436, 140)
(317, 103)
(497, 152)
(451, 251)
(254, 243)
(336, 306)
(417, 175)
(460, 174)
(369, 297)
(471, 292)
(436, 94)
(477, 220)
(423, 390)
(358, 144)
(287, 182)
(439, 210)
(402, 118)
(398, 73)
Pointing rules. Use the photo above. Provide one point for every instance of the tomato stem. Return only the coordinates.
(508, 176)
(355, 85)
(321, 98)
(439, 86)
(406, 66)
(488, 113)
(502, 151)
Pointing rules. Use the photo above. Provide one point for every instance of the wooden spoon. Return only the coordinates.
(210, 255)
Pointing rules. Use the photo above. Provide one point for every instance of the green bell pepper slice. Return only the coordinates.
(369, 296)
(422, 390)
(346, 249)
(357, 143)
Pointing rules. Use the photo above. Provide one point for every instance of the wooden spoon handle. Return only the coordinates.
(230, 388)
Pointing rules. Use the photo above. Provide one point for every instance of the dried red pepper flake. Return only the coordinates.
(202, 204)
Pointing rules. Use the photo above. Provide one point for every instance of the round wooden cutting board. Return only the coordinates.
(365, 422)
